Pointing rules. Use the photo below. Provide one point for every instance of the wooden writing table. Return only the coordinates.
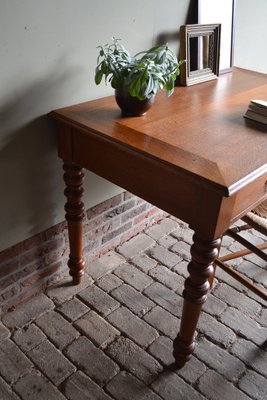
(193, 155)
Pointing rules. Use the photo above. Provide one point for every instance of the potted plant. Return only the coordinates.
(137, 79)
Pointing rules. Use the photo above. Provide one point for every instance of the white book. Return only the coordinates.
(260, 103)
(257, 109)
(256, 117)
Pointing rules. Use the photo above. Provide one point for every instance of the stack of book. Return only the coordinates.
(257, 111)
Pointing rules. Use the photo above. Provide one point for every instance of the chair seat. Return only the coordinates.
(256, 221)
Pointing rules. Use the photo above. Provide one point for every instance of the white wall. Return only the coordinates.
(48, 56)
(251, 35)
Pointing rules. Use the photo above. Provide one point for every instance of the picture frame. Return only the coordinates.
(200, 48)
(221, 12)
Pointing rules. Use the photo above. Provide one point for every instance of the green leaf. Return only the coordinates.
(149, 87)
(132, 90)
(98, 76)
(115, 83)
(170, 92)
(169, 85)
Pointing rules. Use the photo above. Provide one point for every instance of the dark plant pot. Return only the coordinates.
(132, 106)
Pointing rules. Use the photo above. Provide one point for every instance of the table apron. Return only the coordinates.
(158, 183)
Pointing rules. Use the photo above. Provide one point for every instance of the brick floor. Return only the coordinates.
(110, 338)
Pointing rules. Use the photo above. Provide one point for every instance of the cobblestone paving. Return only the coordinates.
(111, 337)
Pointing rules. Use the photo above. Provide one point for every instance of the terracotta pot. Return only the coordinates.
(132, 106)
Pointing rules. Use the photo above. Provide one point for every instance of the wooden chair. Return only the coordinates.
(255, 219)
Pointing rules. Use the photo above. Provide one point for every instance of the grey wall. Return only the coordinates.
(251, 35)
(48, 56)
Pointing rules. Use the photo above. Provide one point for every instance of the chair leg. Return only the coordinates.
(248, 245)
(212, 276)
(240, 278)
(242, 253)
(249, 248)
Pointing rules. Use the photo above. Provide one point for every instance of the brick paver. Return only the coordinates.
(251, 354)
(4, 332)
(231, 368)
(92, 360)
(13, 363)
(224, 277)
(181, 268)
(64, 290)
(237, 299)
(192, 371)
(164, 256)
(80, 387)
(136, 245)
(109, 282)
(51, 362)
(215, 387)
(254, 385)
(97, 329)
(215, 330)
(171, 387)
(28, 311)
(183, 233)
(104, 265)
(57, 328)
(161, 229)
(182, 249)
(35, 386)
(167, 241)
(6, 392)
(133, 276)
(165, 297)
(166, 277)
(163, 321)
(255, 273)
(29, 337)
(262, 318)
(73, 309)
(244, 325)
(214, 306)
(99, 300)
(143, 262)
(126, 386)
(161, 349)
(132, 326)
(111, 337)
(134, 300)
(134, 359)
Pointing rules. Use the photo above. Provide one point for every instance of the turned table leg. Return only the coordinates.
(195, 294)
(74, 208)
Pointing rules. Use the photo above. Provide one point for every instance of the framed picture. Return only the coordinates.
(220, 12)
(199, 46)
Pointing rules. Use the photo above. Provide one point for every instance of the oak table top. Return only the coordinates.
(193, 155)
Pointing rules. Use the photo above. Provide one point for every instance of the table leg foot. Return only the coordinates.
(195, 294)
(182, 351)
(76, 269)
(74, 208)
